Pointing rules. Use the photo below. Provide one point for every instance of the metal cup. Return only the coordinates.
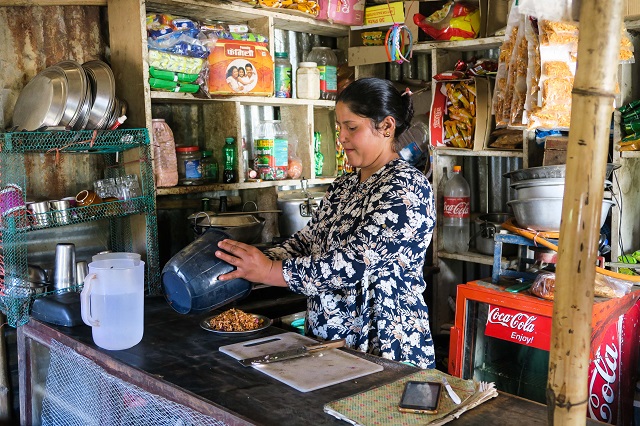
(60, 211)
(40, 212)
(82, 269)
(64, 274)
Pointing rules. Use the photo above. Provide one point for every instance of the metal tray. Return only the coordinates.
(266, 323)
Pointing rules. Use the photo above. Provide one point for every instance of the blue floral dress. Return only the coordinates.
(360, 262)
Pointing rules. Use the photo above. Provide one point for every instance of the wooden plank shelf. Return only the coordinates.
(470, 256)
(171, 97)
(196, 189)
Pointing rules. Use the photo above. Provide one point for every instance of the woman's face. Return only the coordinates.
(365, 146)
(234, 73)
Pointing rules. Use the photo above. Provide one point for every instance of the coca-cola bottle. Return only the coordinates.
(455, 227)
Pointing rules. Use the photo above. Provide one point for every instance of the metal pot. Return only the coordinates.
(245, 228)
(487, 225)
(297, 207)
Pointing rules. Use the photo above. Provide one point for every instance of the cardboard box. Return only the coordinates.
(555, 150)
(440, 110)
(631, 8)
(384, 14)
(240, 68)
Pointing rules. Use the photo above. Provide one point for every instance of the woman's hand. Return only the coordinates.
(251, 264)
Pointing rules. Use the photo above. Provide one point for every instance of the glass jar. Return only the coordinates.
(282, 68)
(308, 81)
(328, 67)
(189, 167)
(209, 167)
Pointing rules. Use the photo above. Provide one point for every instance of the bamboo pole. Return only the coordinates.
(592, 107)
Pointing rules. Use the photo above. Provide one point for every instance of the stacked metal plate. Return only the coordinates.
(69, 95)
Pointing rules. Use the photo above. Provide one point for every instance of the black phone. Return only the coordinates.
(420, 397)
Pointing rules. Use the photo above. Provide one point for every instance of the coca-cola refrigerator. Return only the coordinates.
(505, 338)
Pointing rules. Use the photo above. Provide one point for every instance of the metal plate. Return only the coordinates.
(103, 89)
(77, 93)
(42, 101)
(266, 323)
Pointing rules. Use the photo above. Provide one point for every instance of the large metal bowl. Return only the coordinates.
(543, 188)
(544, 214)
(545, 172)
(245, 228)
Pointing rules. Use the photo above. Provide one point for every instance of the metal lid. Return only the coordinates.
(187, 149)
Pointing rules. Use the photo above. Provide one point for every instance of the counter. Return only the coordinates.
(181, 362)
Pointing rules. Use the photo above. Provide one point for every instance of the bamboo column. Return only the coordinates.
(592, 107)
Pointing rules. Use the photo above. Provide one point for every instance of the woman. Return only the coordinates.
(232, 79)
(360, 259)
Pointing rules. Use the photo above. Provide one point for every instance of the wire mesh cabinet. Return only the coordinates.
(17, 221)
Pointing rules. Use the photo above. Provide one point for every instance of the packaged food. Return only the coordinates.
(172, 76)
(240, 67)
(518, 82)
(499, 102)
(454, 21)
(172, 86)
(176, 63)
(372, 38)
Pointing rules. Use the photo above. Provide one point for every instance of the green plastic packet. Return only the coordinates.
(636, 255)
(172, 86)
(628, 258)
(172, 76)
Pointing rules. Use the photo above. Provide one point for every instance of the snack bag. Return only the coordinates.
(455, 21)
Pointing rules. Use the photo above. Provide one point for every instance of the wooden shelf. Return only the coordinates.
(366, 55)
(471, 256)
(196, 189)
(484, 153)
(170, 97)
(237, 11)
(629, 154)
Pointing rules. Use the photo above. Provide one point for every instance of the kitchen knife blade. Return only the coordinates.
(454, 396)
(301, 351)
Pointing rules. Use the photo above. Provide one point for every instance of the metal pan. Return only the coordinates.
(77, 93)
(42, 101)
(103, 89)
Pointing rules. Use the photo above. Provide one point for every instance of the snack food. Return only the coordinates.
(235, 320)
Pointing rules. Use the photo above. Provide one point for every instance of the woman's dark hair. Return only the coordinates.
(376, 98)
(230, 71)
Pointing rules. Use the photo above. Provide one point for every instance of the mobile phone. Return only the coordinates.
(420, 397)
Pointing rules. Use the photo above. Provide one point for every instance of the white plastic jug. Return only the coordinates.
(112, 302)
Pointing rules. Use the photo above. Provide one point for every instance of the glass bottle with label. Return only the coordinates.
(328, 66)
(229, 174)
(282, 75)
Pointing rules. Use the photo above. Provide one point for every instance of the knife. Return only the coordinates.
(454, 396)
(301, 351)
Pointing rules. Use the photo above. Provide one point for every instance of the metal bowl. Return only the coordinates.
(103, 89)
(544, 214)
(245, 228)
(78, 88)
(543, 188)
(545, 172)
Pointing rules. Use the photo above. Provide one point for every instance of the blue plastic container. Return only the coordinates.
(190, 279)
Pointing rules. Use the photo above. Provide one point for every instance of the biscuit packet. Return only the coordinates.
(501, 90)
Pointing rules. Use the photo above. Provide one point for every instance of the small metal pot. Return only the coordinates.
(245, 228)
(297, 208)
(487, 226)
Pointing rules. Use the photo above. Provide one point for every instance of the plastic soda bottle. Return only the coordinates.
(229, 174)
(456, 213)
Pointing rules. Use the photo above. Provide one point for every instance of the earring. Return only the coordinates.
(386, 135)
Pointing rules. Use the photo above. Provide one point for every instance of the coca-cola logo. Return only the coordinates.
(518, 321)
(603, 384)
(456, 207)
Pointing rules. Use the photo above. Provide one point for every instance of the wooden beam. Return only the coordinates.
(592, 107)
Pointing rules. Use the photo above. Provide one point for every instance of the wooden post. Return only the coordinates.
(592, 107)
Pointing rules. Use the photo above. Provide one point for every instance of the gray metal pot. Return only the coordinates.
(297, 207)
(245, 228)
(487, 225)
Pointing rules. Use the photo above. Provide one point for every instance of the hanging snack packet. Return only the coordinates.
(502, 74)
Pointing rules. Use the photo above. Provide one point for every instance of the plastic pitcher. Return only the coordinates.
(112, 302)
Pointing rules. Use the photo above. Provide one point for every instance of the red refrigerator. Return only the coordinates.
(505, 338)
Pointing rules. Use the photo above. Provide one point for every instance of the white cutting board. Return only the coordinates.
(307, 373)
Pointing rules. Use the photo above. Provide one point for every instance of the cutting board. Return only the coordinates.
(307, 373)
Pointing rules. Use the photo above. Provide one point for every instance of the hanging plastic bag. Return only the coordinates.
(455, 21)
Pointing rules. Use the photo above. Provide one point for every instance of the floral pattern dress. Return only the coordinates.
(360, 263)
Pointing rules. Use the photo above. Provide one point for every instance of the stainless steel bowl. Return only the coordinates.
(545, 172)
(245, 228)
(544, 214)
(543, 188)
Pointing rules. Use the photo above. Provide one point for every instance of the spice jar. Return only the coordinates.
(189, 168)
(308, 81)
(282, 68)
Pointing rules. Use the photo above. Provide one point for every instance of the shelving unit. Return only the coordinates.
(17, 295)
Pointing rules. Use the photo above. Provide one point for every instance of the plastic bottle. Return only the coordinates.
(164, 154)
(282, 75)
(230, 174)
(414, 142)
(318, 158)
(456, 213)
(328, 66)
